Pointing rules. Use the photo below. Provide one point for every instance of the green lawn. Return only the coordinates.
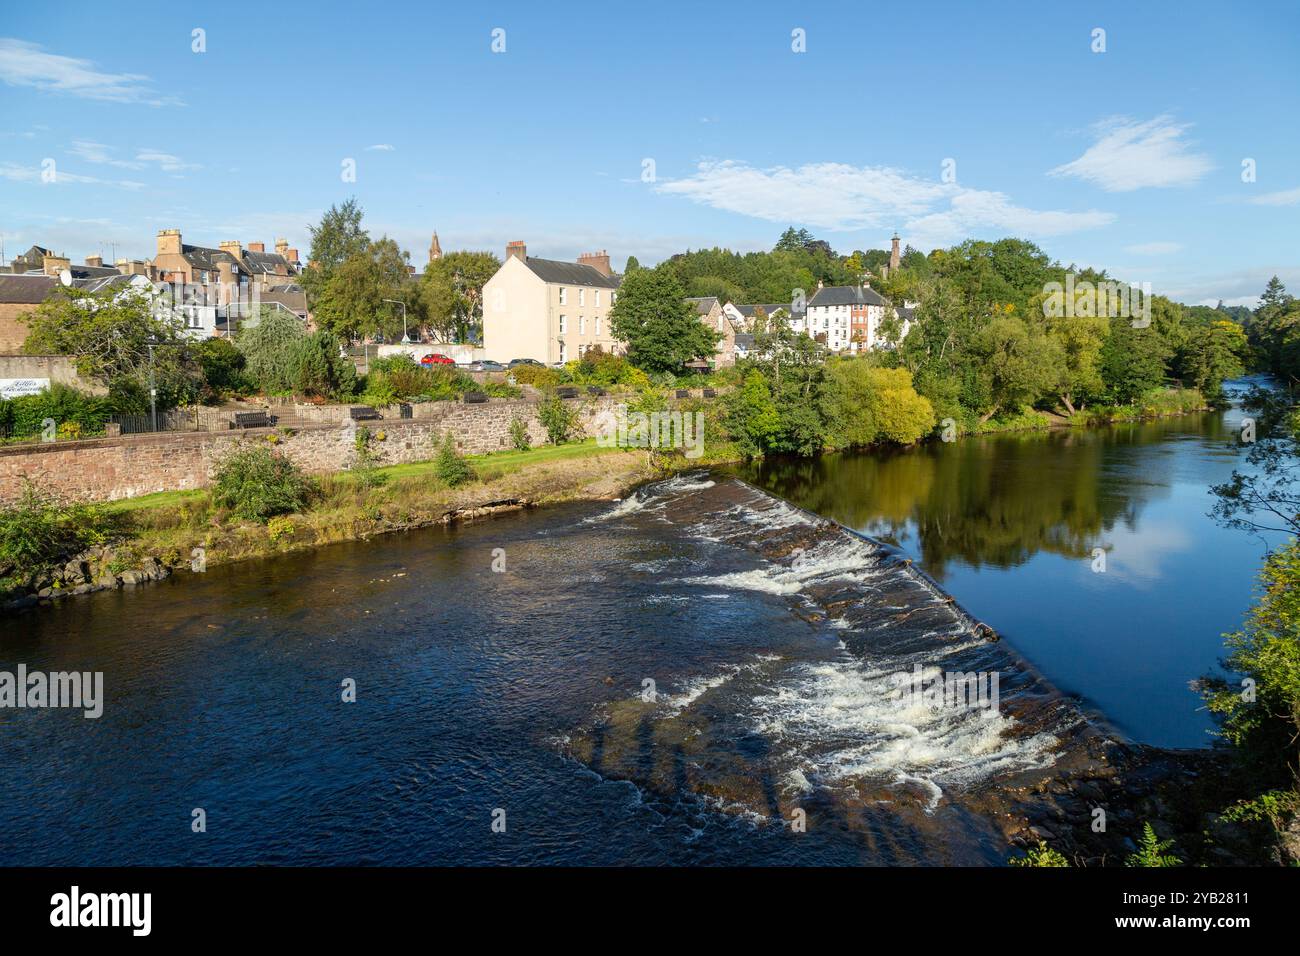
(499, 462)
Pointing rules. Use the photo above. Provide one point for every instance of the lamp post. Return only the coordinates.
(406, 339)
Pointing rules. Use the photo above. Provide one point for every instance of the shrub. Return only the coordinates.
(279, 527)
(538, 376)
(75, 413)
(449, 466)
(271, 349)
(1041, 855)
(365, 462)
(37, 531)
(1151, 851)
(222, 365)
(256, 484)
(559, 420)
(320, 370)
(519, 435)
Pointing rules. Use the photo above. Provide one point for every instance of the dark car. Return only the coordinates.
(514, 362)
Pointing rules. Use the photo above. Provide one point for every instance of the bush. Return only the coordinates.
(320, 370)
(271, 350)
(38, 531)
(538, 376)
(559, 420)
(71, 410)
(257, 484)
(1041, 855)
(1151, 851)
(223, 367)
(399, 377)
(449, 466)
(519, 435)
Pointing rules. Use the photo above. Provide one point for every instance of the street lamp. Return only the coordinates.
(406, 339)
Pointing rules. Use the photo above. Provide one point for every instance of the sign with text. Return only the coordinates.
(14, 387)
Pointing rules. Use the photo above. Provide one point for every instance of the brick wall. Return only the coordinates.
(111, 468)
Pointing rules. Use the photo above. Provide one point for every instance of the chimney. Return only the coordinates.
(894, 258)
(95, 261)
(169, 242)
(290, 254)
(518, 250)
(282, 247)
(257, 247)
(233, 247)
(52, 265)
(597, 260)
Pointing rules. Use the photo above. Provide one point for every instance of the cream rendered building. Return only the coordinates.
(548, 310)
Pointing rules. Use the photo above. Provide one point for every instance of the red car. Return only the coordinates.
(436, 358)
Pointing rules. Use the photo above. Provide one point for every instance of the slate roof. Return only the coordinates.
(703, 303)
(25, 289)
(201, 257)
(768, 308)
(98, 283)
(744, 341)
(265, 263)
(847, 295)
(571, 273)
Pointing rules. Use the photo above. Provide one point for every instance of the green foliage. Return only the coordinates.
(1132, 361)
(558, 418)
(257, 484)
(662, 330)
(270, 343)
(365, 461)
(451, 293)
(538, 376)
(1152, 851)
(349, 300)
(22, 417)
(519, 439)
(223, 367)
(752, 417)
(400, 377)
(450, 468)
(1041, 855)
(37, 531)
(319, 369)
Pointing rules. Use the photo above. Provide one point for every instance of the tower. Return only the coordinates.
(435, 249)
(894, 257)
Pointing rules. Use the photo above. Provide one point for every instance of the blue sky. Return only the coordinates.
(1129, 159)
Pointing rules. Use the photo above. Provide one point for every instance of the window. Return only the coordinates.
(722, 324)
(597, 297)
(598, 325)
(563, 324)
(563, 354)
(564, 296)
(582, 297)
(582, 325)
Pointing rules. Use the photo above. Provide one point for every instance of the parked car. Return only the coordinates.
(436, 358)
(486, 365)
(514, 362)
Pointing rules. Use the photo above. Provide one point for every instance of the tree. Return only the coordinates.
(452, 294)
(319, 369)
(1132, 361)
(270, 346)
(632, 265)
(1213, 353)
(108, 335)
(338, 238)
(350, 301)
(1017, 366)
(662, 330)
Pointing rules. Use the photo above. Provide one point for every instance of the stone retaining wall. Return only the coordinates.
(125, 467)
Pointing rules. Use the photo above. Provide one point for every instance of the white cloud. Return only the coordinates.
(381, 147)
(100, 154)
(27, 64)
(32, 174)
(165, 161)
(1287, 197)
(1154, 248)
(840, 197)
(1131, 154)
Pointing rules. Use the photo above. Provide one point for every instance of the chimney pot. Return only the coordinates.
(518, 249)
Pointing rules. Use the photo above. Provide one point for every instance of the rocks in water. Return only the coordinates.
(132, 578)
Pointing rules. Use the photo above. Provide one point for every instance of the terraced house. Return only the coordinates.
(548, 310)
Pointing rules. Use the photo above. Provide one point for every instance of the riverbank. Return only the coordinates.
(156, 535)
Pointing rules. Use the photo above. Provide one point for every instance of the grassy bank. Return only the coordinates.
(344, 506)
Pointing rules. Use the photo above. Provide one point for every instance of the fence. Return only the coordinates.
(172, 420)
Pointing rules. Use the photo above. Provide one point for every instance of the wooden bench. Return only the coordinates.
(710, 393)
(566, 391)
(363, 413)
(595, 390)
(474, 398)
(683, 393)
(252, 420)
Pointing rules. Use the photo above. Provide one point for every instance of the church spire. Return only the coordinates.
(435, 249)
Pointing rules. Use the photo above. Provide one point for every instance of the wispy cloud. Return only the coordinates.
(1131, 154)
(100, 154)
(1286, 197)
(840, 197)
(381, 148)
(27, 64)
(33, 174)
(1154, 248)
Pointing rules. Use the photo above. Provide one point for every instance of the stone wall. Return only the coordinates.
(56, 368)
(125, 467)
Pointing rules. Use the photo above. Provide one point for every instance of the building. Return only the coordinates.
(715, 315)
(849, 318)
(548, 310)
(19, 295)
(435, 249)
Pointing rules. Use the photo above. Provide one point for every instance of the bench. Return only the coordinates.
(595, 390)
(683, 393)
(363, 413)
(710, 393)
(252, 420)
(474, 398)
(567, 391)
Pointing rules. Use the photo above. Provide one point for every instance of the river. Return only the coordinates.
(672, 679)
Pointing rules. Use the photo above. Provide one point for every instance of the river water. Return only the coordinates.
(700, 674)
